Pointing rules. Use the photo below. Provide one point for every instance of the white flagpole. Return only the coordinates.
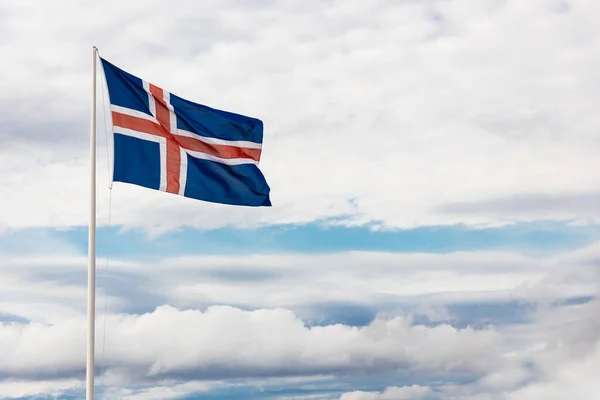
(91, 300)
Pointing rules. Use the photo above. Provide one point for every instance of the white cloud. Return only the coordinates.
(19, 389)
(172, 391)
(391, 393)
(557, 356)
(229, 342)
(47, 288)
(383, 112)
(367, 278)
(573, 379)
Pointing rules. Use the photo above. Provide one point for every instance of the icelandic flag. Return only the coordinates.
(167, 143)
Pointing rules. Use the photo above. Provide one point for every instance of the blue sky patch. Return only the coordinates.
(542, 238)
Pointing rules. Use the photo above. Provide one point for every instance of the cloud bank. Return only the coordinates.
(186, 338)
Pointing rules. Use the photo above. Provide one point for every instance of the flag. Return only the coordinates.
(167, 143)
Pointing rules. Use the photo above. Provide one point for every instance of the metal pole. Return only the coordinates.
(91, 300)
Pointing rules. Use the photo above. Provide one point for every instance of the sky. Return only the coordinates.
(435, 177)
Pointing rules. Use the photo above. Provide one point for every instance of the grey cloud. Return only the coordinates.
(68, 137)
(524, 126)
(242, 275)
(585, 204)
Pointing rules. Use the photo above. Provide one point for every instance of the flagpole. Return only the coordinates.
(91, 295)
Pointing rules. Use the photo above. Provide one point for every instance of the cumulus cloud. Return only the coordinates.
(225, 342)
(573, 379)
(555, 357)
(374, 113)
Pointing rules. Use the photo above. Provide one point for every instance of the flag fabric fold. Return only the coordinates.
(167, 143)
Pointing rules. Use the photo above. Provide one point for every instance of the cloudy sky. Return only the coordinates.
(435, 229)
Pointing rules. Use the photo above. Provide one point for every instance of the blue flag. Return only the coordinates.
(167, 143)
